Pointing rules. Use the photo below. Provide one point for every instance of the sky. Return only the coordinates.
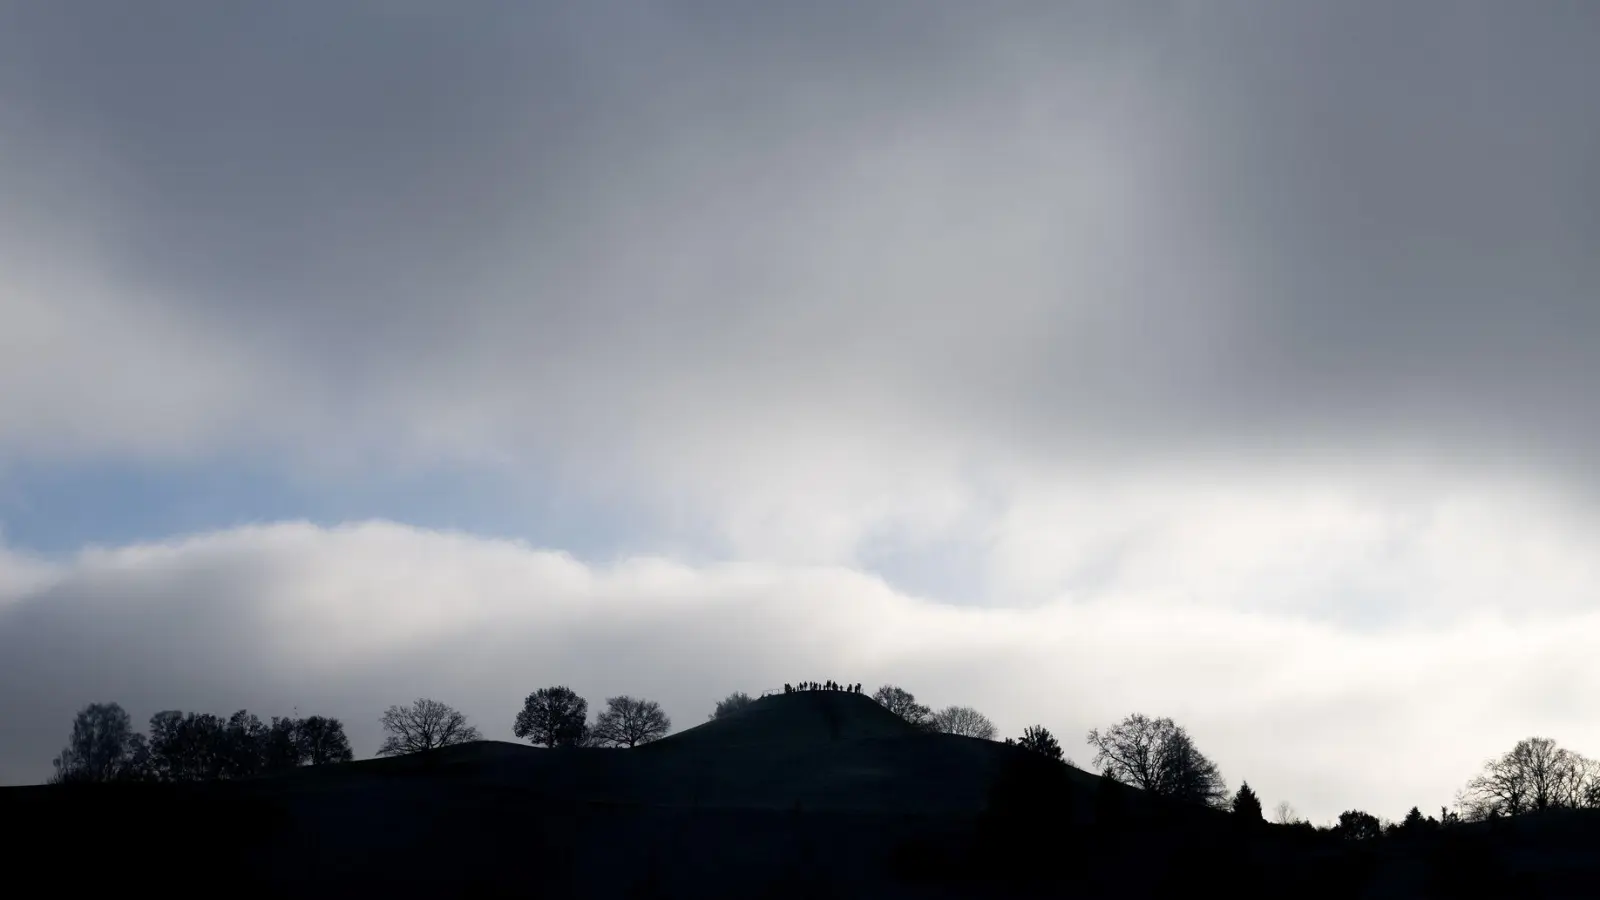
(1226, 361)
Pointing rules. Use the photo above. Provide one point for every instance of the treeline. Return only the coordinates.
(1161, 758)
(1153, 754)
(192, 746)
(550, 717)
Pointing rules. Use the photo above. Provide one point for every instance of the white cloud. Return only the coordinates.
(348, 620)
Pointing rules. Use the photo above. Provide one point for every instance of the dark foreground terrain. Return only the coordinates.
(806, 795)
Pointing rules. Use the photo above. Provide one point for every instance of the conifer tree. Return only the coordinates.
(1247, 805)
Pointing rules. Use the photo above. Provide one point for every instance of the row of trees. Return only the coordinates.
(1160, 757)
(182, 746)
(550, 717)
(962, 720)
(558, 717)
(1535, 775)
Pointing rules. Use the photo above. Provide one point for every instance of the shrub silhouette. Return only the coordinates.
(1039, 739)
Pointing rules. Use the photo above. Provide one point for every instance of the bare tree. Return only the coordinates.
(424, 725)
(1589, 795)
(1536, 774)
(101, 748)
(627, 722)
(904, 704)
(731, 704)
(555, 717)
(1284, 813)
(964, 720)
(1160, 757)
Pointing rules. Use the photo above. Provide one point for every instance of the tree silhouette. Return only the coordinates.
(553, 716)
(1039, 739)
(904, 704)
(424, 725)
(1246, 805)
(101, 748)
(191, 746)
(322, 741)
(731, 704)
(1355, 825)
(1414, 823)
(1284, 813)
(1160, 757)
(964, 720)
(1536, 774)
(627, 722)
(243, 750)
(281, 748)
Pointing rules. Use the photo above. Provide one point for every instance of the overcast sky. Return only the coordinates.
(1223, 361)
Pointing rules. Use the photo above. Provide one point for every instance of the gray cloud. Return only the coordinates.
(1093, 231)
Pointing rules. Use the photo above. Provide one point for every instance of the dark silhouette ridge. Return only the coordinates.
(815, 793)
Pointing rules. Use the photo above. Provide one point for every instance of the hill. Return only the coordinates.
(806, 795)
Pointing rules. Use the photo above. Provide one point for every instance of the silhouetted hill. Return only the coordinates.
(805, 718)
(818, 794)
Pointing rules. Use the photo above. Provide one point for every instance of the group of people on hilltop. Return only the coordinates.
(821, 686)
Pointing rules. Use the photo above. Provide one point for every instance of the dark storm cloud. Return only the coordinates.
(1225, 224)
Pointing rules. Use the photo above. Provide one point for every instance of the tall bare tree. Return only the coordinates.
(963, 720)
(1160, 757)
(904, 704)
(424, 725)
(628, 722)
(1536, 774)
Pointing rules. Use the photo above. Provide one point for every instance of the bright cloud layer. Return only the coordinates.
(347, 621)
